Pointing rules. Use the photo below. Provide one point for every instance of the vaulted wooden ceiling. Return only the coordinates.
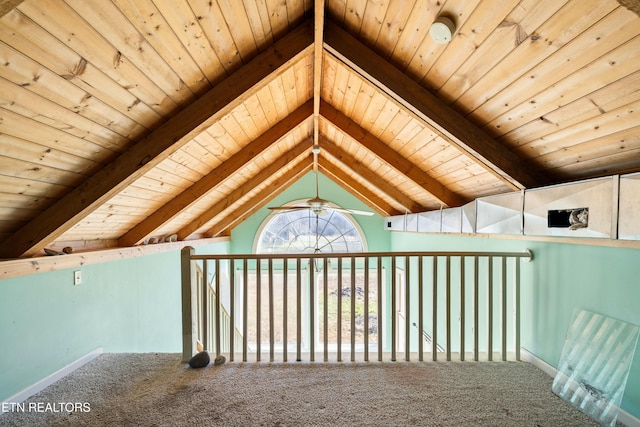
(128, 119)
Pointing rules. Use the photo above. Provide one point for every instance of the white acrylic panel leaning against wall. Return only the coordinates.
(595, 195)
(594, 364)
(629, 208)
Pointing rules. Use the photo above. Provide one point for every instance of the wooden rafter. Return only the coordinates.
(445, 121)
(215, 177)
(357, 190)
(384, 152)
(261, 199)
(7, 6)
(318, 49)
(632, 5)
(293, 155)
(160, 144)
(339, 156)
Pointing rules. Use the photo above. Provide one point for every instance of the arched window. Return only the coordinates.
(302, 231)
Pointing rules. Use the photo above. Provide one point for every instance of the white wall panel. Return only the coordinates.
(430, 222)
(501, 214)
(451, 220)
(469, 217)
(596, 195)
(629, 208)
(411, 222)
(394, 223)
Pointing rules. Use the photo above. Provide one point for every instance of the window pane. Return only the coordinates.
(302, 231)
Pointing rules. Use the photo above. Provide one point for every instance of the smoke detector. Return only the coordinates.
(442, 30)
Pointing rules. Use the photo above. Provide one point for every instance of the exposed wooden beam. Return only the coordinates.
(444, 120)
(281, 162)
(217, 176)
(390, 156)
(157, 146)
(318, 49)
(632, 5)
(261, 199)
(357, 190)
(7, 6)
(340, 155)
(41, 264)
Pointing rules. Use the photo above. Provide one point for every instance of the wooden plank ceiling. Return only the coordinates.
(126, 120)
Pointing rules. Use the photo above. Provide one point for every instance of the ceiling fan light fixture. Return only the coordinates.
(441, 31)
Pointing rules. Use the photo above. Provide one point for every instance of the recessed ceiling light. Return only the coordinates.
(442, 30)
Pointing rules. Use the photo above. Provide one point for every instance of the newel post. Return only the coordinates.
(189, 301)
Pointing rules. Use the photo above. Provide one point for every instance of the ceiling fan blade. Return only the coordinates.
(353, 211)
(287, 208)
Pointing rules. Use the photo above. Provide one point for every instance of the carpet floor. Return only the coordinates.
(160, 390)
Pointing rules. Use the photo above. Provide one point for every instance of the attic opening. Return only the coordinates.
(304, 231)
(568, 218)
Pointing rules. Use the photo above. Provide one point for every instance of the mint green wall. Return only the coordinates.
(131, 305)
(242, 236)
(562, 277)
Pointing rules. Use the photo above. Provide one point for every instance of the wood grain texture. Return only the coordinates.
(273, 169)
(8, 5)
(357, 190)
(232, 165)
(260, 199)
(149, 152)
(340, 156)
(444, 120)
(393, 158)
(526, 92)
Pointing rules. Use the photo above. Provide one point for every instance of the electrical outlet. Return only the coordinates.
(77, 277)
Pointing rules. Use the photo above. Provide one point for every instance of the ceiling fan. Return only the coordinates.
(317, 205)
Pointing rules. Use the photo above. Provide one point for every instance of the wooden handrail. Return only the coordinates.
(527, 254)
(480, 286)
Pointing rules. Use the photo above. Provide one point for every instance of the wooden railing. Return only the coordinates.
(461, 305)
(206, 303)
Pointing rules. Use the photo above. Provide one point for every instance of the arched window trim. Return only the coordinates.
(349, 218)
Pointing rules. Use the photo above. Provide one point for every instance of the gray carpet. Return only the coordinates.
(159, 390)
